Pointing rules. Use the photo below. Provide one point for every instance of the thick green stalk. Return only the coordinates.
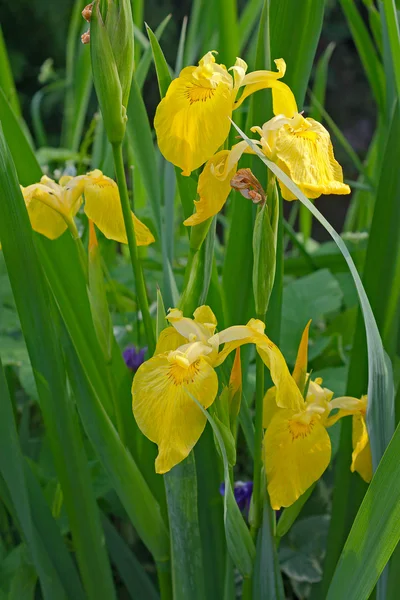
(133, 251)
(258, 432)
(164, 580)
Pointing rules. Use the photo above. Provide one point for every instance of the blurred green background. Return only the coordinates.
(35, 35)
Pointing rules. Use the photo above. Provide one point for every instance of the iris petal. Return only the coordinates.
(103, 207)
(307, 158)
(296, 454)
(192, 120)
(361, 457)
(288, 394)
(43, 218)
(213, 191)
(165, 412)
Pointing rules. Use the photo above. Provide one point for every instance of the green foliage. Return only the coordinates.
(82, 512)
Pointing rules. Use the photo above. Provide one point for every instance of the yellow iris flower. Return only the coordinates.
(300, 146)
(183, 364)
(52, 206)
(297, 447)
(192, 120)
(361, 457)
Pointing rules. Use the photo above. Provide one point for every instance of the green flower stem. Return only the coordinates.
(164, 580)
(258, 495)
(258, 432)
(133, 251)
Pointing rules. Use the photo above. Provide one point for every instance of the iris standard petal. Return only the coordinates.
(196, 329)
(169, 339)
(103, 207)
(296, 454)
(306, 156)
(192, 120)
(361, 457)
(288, 394)
(165, 412)
(283, 100)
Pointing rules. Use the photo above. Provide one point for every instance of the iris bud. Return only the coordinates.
(112, 46)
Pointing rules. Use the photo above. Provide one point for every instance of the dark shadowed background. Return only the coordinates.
(36, 31)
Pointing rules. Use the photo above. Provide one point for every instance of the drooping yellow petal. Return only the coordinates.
(288, 394)
(164, 411)
(103, 207)
(283, 100)
(347, 405)
(43, 217)
(300, 367)
(296, 454)
(305, 154)
(361, 457)
(192, 120)
(213, 191)
(215, 182)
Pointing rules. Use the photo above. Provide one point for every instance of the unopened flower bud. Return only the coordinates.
(112, 43)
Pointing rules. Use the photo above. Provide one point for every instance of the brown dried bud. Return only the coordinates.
(248, 185)
(85, 37)
(87, 12)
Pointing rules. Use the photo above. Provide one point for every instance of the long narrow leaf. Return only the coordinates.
(380, 386)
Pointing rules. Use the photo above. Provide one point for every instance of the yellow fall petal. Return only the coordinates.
(213, 191)
(192, 120)
(296, 454)
(300, 368)
(164, 411)
(103, 207)
(44, 219)
(361, 457)
(305, 154)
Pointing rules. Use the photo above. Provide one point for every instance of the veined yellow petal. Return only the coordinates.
(192, 120)
(169, 339)
(103, 207)
(164, 411)
(44, 219)
(296, 454)
(288, 394)
(361, 457)
(300, 368)
(212, 190)
(306, 155)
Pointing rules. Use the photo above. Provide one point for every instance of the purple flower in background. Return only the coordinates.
(134, 357)
(242, 491)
